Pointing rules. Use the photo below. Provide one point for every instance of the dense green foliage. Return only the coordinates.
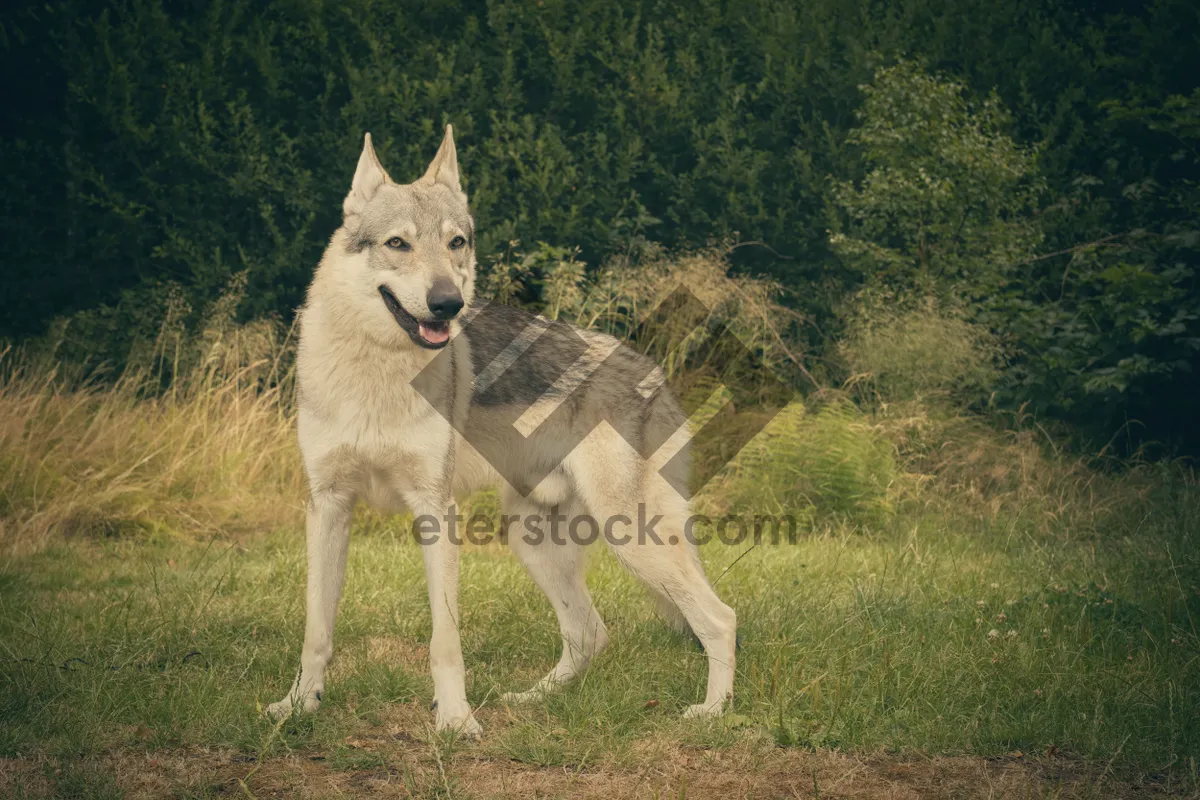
(947, 204)
(1034, 164)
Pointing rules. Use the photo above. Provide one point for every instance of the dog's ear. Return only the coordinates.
(369, 176)
(444, 167)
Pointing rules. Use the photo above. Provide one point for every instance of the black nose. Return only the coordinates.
(444, 299)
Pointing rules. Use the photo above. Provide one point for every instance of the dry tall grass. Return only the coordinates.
(625, 291)
(214, 451)
(898, 349)
(198, 435)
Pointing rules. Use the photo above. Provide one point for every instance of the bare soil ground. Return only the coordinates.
(395, 763)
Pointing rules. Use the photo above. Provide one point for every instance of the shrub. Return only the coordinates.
(622, 294)
(916, 350)
(947, 203)
(831, 465)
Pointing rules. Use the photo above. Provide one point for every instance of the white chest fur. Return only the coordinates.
(364, 429)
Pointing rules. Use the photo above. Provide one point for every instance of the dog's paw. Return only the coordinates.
(700, 710)
(288, 706)
(457, 718)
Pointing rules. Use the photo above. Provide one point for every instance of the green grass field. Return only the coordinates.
(135, 666)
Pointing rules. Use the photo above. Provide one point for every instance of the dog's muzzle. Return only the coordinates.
(433, 334)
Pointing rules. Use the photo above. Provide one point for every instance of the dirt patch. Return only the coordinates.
(394, 651)
(398, 652)
(795, 774)
(405, 766)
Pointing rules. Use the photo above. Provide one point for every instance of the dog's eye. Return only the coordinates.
(396, 243)
(457, 243)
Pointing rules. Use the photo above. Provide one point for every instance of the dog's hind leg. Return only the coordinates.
(556, 565)
(328, 536)
(653, 545)
(670, 612)
(670, 572)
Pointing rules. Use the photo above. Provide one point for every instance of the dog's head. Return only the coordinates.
(411, 248)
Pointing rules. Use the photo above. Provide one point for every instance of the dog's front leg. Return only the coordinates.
(440, 551)
(328, 534)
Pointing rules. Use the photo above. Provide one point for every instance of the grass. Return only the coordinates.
(967, 612)
(926, 638)
(214, 452)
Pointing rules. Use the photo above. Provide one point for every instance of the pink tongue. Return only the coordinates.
(434, 335)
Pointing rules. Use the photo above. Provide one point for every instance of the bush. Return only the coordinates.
(620, 297)
(917, 350)
(947, 205)
(828, 466)
(195, 141)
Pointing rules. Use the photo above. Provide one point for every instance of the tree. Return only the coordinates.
(947, 204)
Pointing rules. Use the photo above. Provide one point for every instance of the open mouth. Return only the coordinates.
(433, 334)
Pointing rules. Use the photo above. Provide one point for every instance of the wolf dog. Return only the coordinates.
(390, 302)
